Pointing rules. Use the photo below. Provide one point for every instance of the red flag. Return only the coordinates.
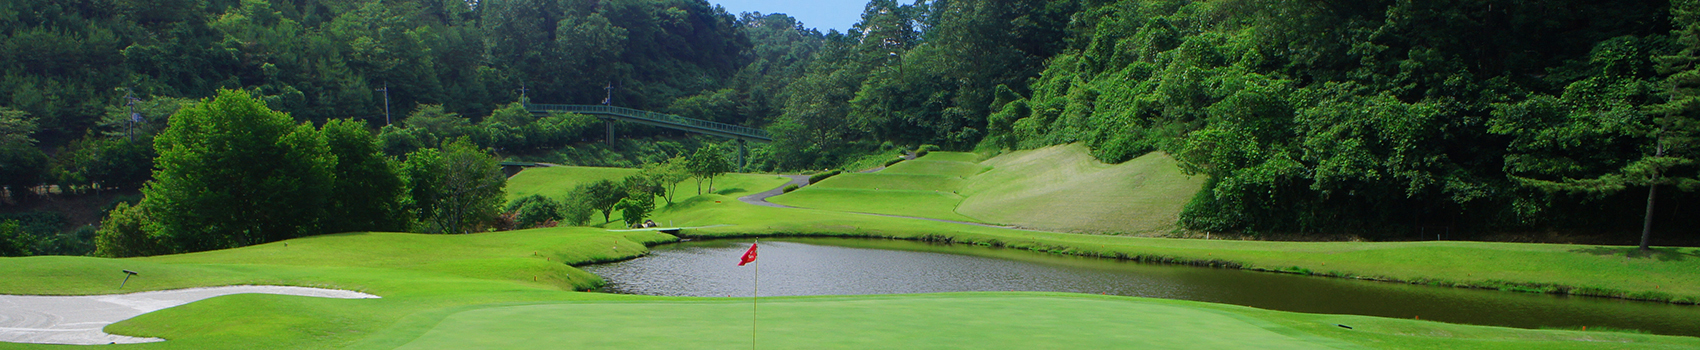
(749, 256)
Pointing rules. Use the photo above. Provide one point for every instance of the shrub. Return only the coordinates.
(822, 176)
(791, 187)
(124, 233)
(893, 161)
(534, 210)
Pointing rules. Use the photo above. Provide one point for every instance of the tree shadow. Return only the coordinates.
(1663, 254)
(725, 191)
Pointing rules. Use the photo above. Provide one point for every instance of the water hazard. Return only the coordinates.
(867, 266)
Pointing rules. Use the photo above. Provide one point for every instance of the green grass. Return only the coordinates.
(970, 321)
(924, 187)
(513, 290)
(927, 204)
(1062, 188)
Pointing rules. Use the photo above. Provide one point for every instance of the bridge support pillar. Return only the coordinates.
(743, 148)
(610, 136)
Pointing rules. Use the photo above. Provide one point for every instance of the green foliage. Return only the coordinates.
(602, 195)
(109, 163)
(535, 211)
(789, 188)
(707, 163)
(14, 241)
(817, 178)
(232, 172)
(128, 231)
(367, 193)
(667, 175)
(457, 189)
(635, 208)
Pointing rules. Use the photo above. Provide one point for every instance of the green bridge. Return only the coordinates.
(670, 121)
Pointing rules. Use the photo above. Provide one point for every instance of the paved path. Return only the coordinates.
(79, 320)
(803, 180)
(761, 198)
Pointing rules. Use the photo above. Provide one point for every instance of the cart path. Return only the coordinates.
(81, 319)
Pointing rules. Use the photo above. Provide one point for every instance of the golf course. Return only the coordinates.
(521, 289)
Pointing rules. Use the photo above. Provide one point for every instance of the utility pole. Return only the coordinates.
(386, 91)
(130, 100)
(522, 90)
(609, 122)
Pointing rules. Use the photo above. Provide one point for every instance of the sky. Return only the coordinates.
(818, 14)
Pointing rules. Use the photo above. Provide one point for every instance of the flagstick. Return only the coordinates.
(753, 297)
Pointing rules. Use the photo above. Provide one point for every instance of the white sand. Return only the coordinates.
(79, 320)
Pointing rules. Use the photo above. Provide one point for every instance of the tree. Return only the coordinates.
(668, 175)
(232, 172)
(22, 166)
(456, 189)
(367, 193)
(635, 208)
(602, 195)
(707, 163)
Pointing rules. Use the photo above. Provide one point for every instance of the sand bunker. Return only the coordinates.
(80, 319)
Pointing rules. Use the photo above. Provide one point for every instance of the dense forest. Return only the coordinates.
(1372, 118)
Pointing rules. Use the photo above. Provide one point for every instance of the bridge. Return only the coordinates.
(610, 113)
(670, 121)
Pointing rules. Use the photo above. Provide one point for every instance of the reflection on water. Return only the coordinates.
(866, 266)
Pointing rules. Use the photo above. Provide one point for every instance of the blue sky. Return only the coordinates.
(818, 14)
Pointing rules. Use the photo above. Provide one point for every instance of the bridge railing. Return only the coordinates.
(652, 116)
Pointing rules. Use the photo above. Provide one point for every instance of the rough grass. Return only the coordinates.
(1062, 188)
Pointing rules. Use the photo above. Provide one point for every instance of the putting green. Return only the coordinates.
(941, 321)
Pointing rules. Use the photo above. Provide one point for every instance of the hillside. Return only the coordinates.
(1063, 188)
(1057, 188)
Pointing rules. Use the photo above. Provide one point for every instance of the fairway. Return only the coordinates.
(888, 322)
(994, 320)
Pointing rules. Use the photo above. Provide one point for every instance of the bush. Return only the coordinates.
(791, 187)
(13, 240)
(534, 211)
(822, 176)
(893, 161)
(124, 233)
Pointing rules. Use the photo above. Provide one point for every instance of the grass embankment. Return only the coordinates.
(1059, 188)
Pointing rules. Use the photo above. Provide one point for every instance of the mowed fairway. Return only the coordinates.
(924, 187)
(971, 321)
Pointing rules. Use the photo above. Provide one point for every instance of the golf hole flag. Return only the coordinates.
(749, 256)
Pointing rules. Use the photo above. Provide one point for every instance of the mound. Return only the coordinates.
(1063, 188)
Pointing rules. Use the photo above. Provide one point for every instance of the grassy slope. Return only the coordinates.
(924, 187)
(1058, 188)
(1063, 188)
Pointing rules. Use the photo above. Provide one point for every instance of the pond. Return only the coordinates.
(796, 266)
